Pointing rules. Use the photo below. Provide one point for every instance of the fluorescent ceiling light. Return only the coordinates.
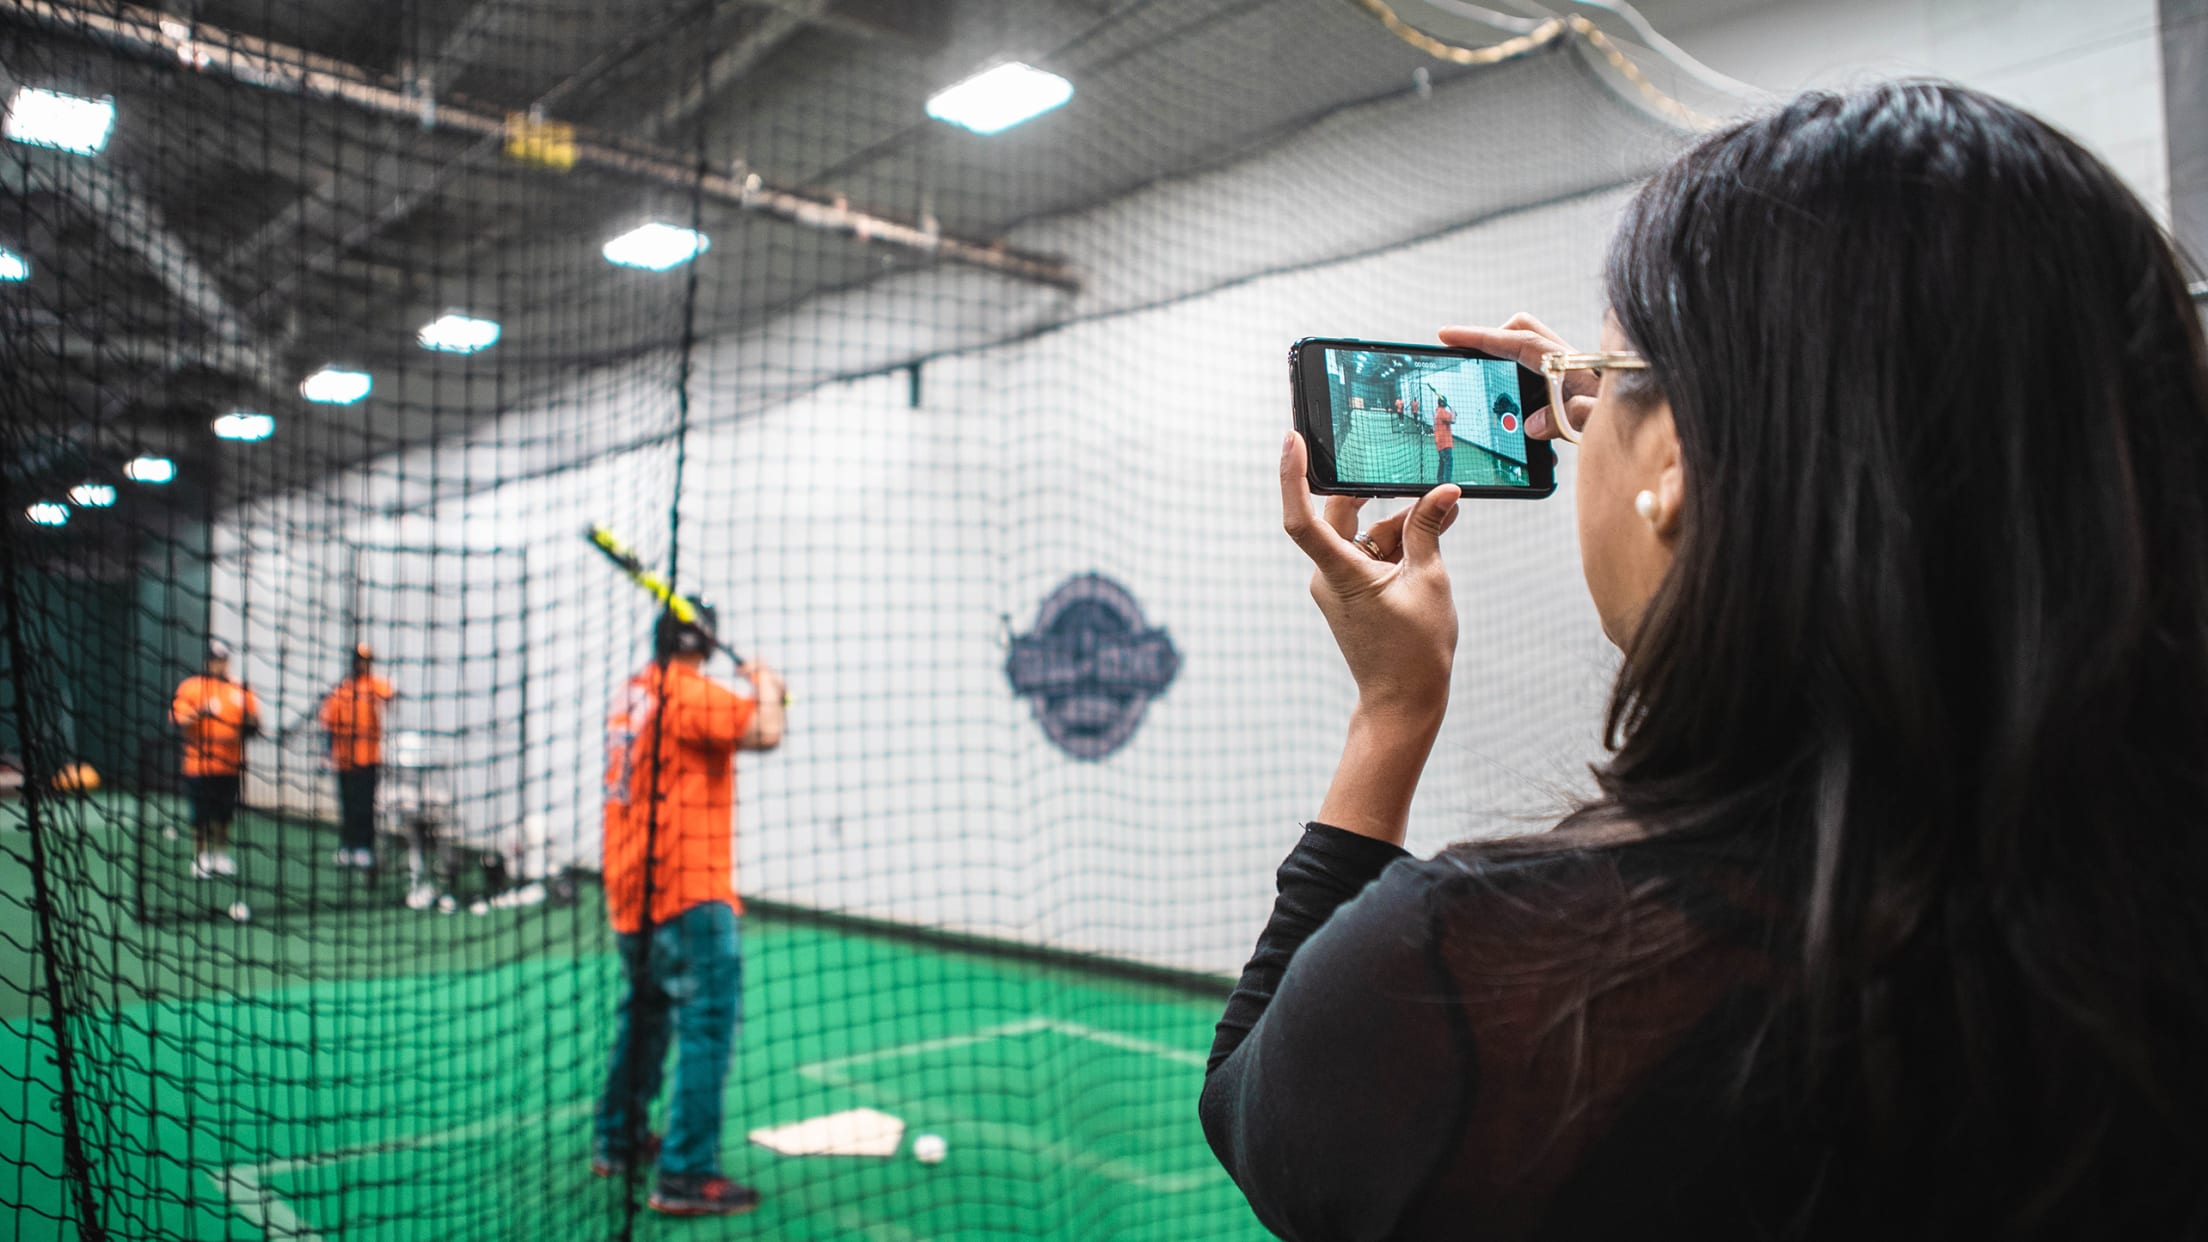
(47, 513)
(656, 247)
(455, 333)
(245, 425)
(1000, 98)
(336, 386)
(13, 266)
(149, 470)
(64, 122)
(92, 495)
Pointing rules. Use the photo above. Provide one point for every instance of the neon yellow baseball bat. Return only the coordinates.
(631, 564)
(624, 556)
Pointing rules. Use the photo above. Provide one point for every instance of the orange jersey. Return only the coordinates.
(353, 717)
(214, 714)
(1444, 428)
(694, 727)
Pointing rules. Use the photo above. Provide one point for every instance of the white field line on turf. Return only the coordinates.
(875, 1230)
(827, 1071)
(246, 1185)
(830, 1072)
(1010, 1134)
(1127, 1043)
(241, 1185)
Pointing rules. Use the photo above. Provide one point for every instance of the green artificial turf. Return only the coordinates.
(356, 1070)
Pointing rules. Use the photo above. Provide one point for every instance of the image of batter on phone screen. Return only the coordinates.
(1408, 418)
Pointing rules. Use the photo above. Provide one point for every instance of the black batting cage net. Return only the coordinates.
(377, 376)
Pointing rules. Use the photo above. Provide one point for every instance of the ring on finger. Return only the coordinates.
(1370, 545)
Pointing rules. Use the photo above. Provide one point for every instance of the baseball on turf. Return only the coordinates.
(930, 1149)
(241, 911)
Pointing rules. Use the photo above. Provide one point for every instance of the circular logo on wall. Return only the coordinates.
(1090, 666)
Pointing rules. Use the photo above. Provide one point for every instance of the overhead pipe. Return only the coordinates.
(201, 48)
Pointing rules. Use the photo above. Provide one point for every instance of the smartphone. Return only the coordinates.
(1396, 420)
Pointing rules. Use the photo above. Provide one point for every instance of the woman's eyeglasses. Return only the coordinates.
(1556, 366)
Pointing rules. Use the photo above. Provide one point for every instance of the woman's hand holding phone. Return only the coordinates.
(1388, 603)
(1387, 600)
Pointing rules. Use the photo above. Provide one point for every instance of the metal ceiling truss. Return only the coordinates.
(196, 47)
(132, 224)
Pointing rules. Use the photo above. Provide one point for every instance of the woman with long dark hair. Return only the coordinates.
(1889, 917)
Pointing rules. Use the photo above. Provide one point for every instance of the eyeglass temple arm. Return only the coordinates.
(1559, 363)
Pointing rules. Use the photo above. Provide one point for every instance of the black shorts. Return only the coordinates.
(214, 799)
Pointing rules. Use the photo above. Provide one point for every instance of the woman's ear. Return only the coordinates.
(1658, 460)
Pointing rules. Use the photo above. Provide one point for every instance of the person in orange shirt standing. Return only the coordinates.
(216, 715)
(670, 828)
(352, 716)
(1445, 440)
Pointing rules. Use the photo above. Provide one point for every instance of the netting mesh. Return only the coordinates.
(970, 436)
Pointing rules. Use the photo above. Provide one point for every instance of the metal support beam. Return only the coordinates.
(315, 212)
(461, 47)
(312, 214)
(926, 23)
(101, 354)
(731, 63)
(134, 225)
(201, 48)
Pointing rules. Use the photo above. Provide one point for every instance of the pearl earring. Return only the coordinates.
(1645, 505)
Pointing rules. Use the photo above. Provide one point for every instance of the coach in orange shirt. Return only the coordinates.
(216, 715)
(352, 716)
(671, 743)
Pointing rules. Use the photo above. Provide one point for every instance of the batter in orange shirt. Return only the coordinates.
(671, 743)
(352, 716)
(216, 715)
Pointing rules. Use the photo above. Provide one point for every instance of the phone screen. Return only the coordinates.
(1398, 419)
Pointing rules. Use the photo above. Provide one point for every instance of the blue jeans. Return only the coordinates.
(1448, 464)
(686, 985)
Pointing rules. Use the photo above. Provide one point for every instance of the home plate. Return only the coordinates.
(854, 1132)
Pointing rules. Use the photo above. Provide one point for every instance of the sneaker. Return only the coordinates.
(702, 1196)
(203, 866)
(605, 1164)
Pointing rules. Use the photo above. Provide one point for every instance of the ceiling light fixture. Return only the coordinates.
(48, 513)
(92, 495)
(336, 386)
(455, 333)
(656, 247)
(13, 266)
(245, 425)
(995, 100)
(42, 118)
(149, 470)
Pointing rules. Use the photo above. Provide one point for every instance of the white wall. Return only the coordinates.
(2094, 69)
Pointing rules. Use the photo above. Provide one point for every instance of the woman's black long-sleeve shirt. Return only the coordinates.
(1522, 1040)
(1430, 1049)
